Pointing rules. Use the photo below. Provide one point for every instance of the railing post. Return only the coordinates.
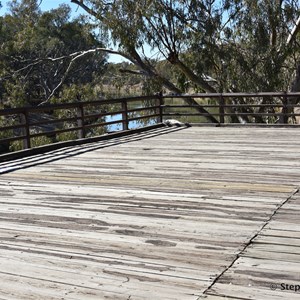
(160, 103)
(284, 118)
(221, 109)
(124, 115)
(80, 121)
(26, 129)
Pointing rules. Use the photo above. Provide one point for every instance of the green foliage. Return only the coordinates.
(213, 46)
(78, 93)
(35, 142)
(15, 93)
(222, 46)
(16, 146)
(120, 80)
(40, 141)
(29, 37)
(241, 44)
(36, 64)
(66, 136)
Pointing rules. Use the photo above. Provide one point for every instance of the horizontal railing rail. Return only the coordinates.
(264, 108)
(85, 119)
(25, 124)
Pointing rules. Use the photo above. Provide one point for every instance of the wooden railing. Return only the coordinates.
(79, 119)
(85, 119)
(263, 108)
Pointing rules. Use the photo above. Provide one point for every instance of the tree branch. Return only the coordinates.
(193, 77)
(75, 56)
(294, 32)
(135, 72)
(87, 9)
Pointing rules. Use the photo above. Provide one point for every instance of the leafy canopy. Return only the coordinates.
(242, 44)
(35, 53)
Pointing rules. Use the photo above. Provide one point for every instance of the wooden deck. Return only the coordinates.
(173, 213)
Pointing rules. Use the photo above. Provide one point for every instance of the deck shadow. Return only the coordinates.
(62, 153)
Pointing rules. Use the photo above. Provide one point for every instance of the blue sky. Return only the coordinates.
(47, 5)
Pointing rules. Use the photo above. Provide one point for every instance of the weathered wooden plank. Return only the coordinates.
(17, 287)
(269, 267)
(214, 297)
(158, 182)
(152, 216)
(281, 233)
(116, 281)
(278, 240)
(282, 253)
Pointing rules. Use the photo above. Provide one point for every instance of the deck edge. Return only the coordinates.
(55, 146)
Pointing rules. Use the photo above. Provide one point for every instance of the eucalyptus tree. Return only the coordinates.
(244, 45)
(197, 36)
(261, 48)
(37, 57)
(160, 24)
(134, 24)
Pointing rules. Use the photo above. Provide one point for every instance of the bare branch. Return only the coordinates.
(135, 72)
(61, 81)
(75, 56)
(294, 32)
(87, 9)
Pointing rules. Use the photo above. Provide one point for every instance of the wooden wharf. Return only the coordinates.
(169, 213)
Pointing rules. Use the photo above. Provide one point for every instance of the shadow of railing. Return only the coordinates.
(59, 154)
